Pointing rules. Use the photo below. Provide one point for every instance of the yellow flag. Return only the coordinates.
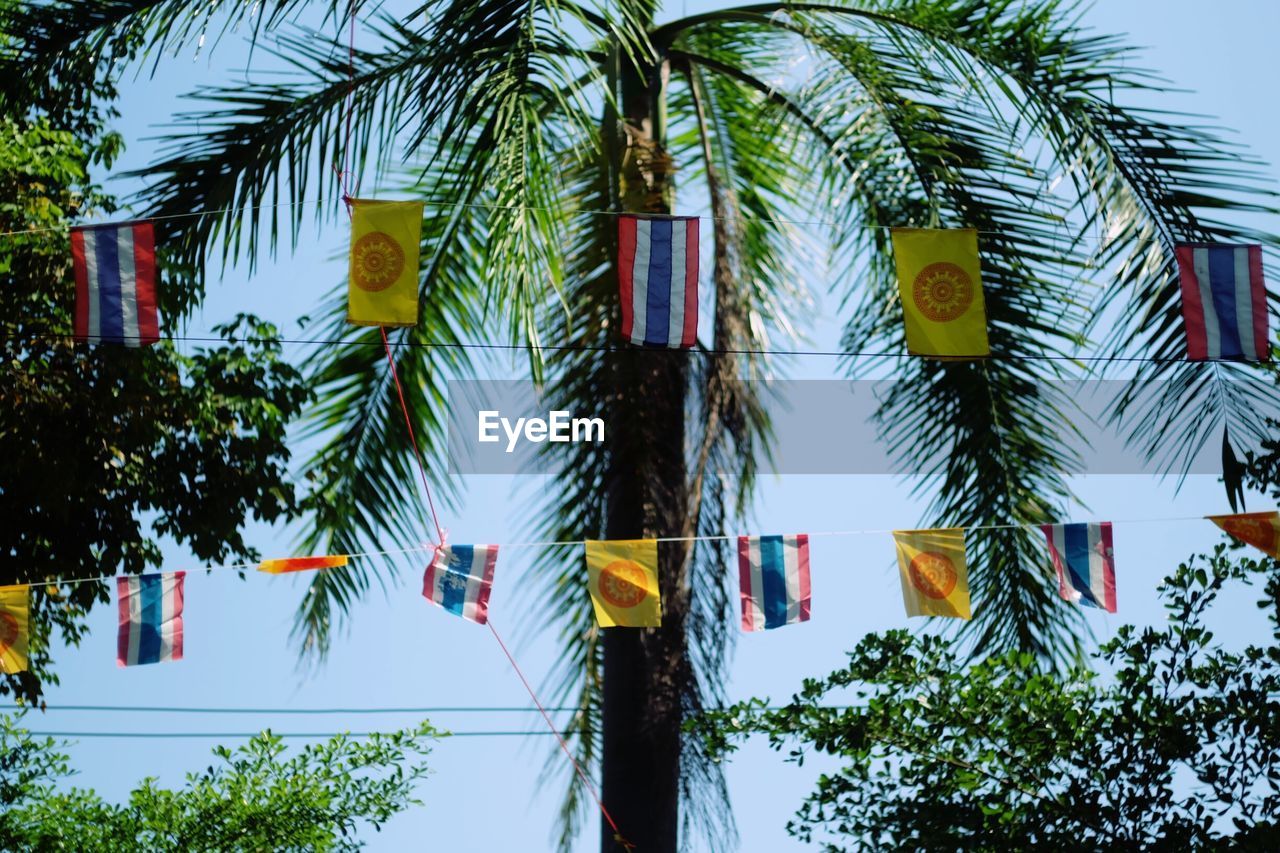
(1259, 529)
(382, 287)
(13, 628)
(623, 579)
(935, 580)
(941, 287)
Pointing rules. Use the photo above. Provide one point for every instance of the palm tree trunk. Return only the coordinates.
(645, 670)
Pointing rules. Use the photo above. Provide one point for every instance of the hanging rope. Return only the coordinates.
(617, 833)
(413, 438)
(343, 175)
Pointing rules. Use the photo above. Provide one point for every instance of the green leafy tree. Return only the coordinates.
(104, 449)
(527, 122)
(255, 797)
(1177, 748)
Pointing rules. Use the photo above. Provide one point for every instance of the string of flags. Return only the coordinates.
(940, 286)
(622, 579)
(938, 269)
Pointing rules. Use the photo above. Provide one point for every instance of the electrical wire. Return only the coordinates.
(189, 709)
(230, 735)
(427, 709)
(899, 354)
(479, 206)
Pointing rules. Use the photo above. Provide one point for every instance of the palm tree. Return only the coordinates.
(528, 122)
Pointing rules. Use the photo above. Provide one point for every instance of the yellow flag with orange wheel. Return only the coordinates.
(622, 576)
(13, 628)
(935, 578)
(382, 283)
(1259, 529)
(940, 281)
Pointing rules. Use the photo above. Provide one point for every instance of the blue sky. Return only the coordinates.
(486, 792)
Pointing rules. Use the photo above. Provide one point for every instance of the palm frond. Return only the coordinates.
(366, 455)
(901, 158)
(67, 54)
(478, 115)
(1144, 180)
(911, 108)
(578, 511)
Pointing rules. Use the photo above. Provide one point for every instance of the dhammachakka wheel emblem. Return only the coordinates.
(376, 261)
(942, 292)
(933, 574)
(622, 583)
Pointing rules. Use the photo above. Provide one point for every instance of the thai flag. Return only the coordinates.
(1084, 560)
(115, 270)
(658, 274)
(773, 579)
(150, 618)
(460, 578)
(1224, 301)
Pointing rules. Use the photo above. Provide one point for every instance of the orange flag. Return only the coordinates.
(301, 564)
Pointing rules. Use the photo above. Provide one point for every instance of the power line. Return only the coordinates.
(429, 709)
(238, 735)
(632, 349)
(188, 709)
(195, 214)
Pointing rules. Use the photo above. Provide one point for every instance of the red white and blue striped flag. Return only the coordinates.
(1224, 301)
(773, 580)
(658, 275)
(115, 270)
(1084, 560)
(150, 618)
(460, 578)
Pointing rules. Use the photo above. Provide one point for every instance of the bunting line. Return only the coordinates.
(231, 735)
(408, 422)
(569, 543)
(617, 833)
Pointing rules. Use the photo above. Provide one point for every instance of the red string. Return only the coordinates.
(408, 422)
(417, 453)
(422, 470)
(617, 833)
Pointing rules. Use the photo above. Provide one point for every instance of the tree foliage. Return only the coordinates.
(1177, 747)
(106, 449)
(255, 797)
